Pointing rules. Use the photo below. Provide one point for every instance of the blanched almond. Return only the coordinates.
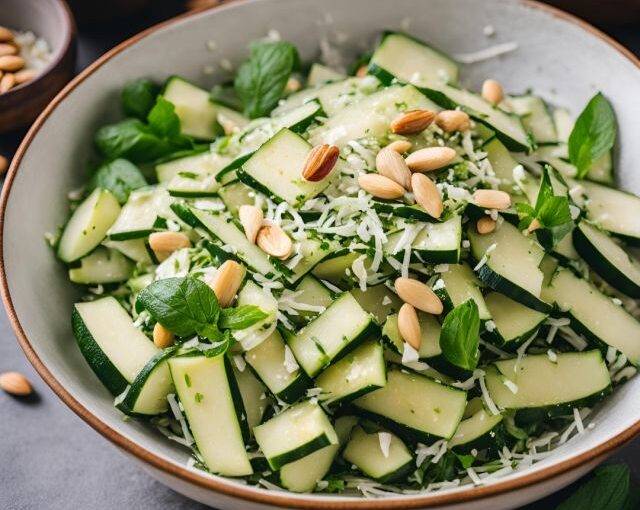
(274, 241)
(162, 337)
(5, 34)
(380, 186)
(485, 225)
(165, 243)
(227, 281)
(400, 146)
(391, 164)
(492, 199)
(320, 161)
(427, 195)
(412, 122)
(431, 158)
(25, 75)
(453, 120)
(14, 383)
(293, 85)
(7, 49)
(7, 81)
(492, 91)
(251, 218)
(11, 63)
(534, 225)
(419, 295)
(409, 326)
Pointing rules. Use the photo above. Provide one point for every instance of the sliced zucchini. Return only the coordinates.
(198, 115)
(236, 194)
(135, 249)
(460, 285)
(323, 339)
(502, 163)
(435, 243)
(146, 210)
(402, 210)
(365, 452)
(304, 474)
(479, 431)
(536, 381)
(334, 268)
(513, 322)
(429, 331)
(213, 408)
(564, 124)
(102, 265)
(595, 315)
(114, 348)
(88, 225)
(607, 258)
(414, 406)
(358, 372)
(253, 396)
(252, 336)
(535, 117)
(295, 433)
(206, 163)
(309, 291)
(300, 118)
(268, 360)
(319, 74)
(511, 266)
(613, 210)
(378, 300)
(309, 253)
(275, 169)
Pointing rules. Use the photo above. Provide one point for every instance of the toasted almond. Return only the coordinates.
(412, 122)
(320, 161)
(162, 337)
(380, 186)
(11, 63)
(485, 225)
(227, 281)
(492, 199)
(165, 243)
(391, 164)
(4, 164)
(419, 295)
(431, 158)
(427, 195)
(7, 49)
(409, 326)
(492, 91)
(25, 75)
(400, 146)
(14, 383)
(274, 241)
(7, 81)
(251, 218)
(362, 71)
(293, 85)
(453, 120)
(534, 225)
(5, 34)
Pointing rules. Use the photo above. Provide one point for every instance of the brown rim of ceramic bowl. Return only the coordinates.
(239, 491)
(70, 32)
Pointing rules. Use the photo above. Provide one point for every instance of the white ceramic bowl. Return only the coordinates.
(559, 57)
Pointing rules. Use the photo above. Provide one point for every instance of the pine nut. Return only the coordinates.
(453, 120)
(492, 91)
(492, 199)
(380, 186)
(14, 383)
(165, 243)
(25, 75)
(412, 122)
(251, 218)
(431, 158)
(5, 34)
(11, 63)
(319, 162)
(391, 164)
(419, 295)
(7, 81)
(227, 281)
(162, 337)
(400, 146)
(485, 225)
(274, 241)
(427, 195)
(7, 49)
(409, 326)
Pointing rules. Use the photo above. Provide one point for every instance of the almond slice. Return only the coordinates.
(14, 383)
(391, 164)
(492, 199)
(453, 120)
(226, 282)
(419, 295)
(274, 241)
(165, 243)
(492, 91)
(380, 186)
(412, 122)
(251, 219)
(431, 158)
(409, 326)
(485, 225)
(320, 161)
(427, 195)
(162, 337)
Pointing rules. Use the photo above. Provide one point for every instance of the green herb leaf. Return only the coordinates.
(466, 461)
(138, 97)
(182, 305)
(220, 346)
(261, 80)
(163, 119)
(459, 337)
(131, 139)
(241, 317)
(607, 490)
(593, 134)
(120, 177)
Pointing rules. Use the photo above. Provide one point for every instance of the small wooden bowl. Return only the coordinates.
(51, 20)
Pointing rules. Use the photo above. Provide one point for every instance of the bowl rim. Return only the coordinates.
(220, 484)
(69, 28)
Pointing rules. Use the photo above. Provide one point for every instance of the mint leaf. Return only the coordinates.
(240, 317)
(607, 490)
(466, 461)
(131, 139)
(182, 305)
(593, 135)
(459, 337)
(163, 119)
(138, 97)
(120, 177)
(261, 80)
(219, 346)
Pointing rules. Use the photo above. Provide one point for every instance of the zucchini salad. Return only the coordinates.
(370, 281)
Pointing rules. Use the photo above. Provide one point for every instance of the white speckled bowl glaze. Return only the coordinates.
(559, 57)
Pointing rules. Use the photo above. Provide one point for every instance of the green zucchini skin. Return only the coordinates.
(302, 451)
(493, 441)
